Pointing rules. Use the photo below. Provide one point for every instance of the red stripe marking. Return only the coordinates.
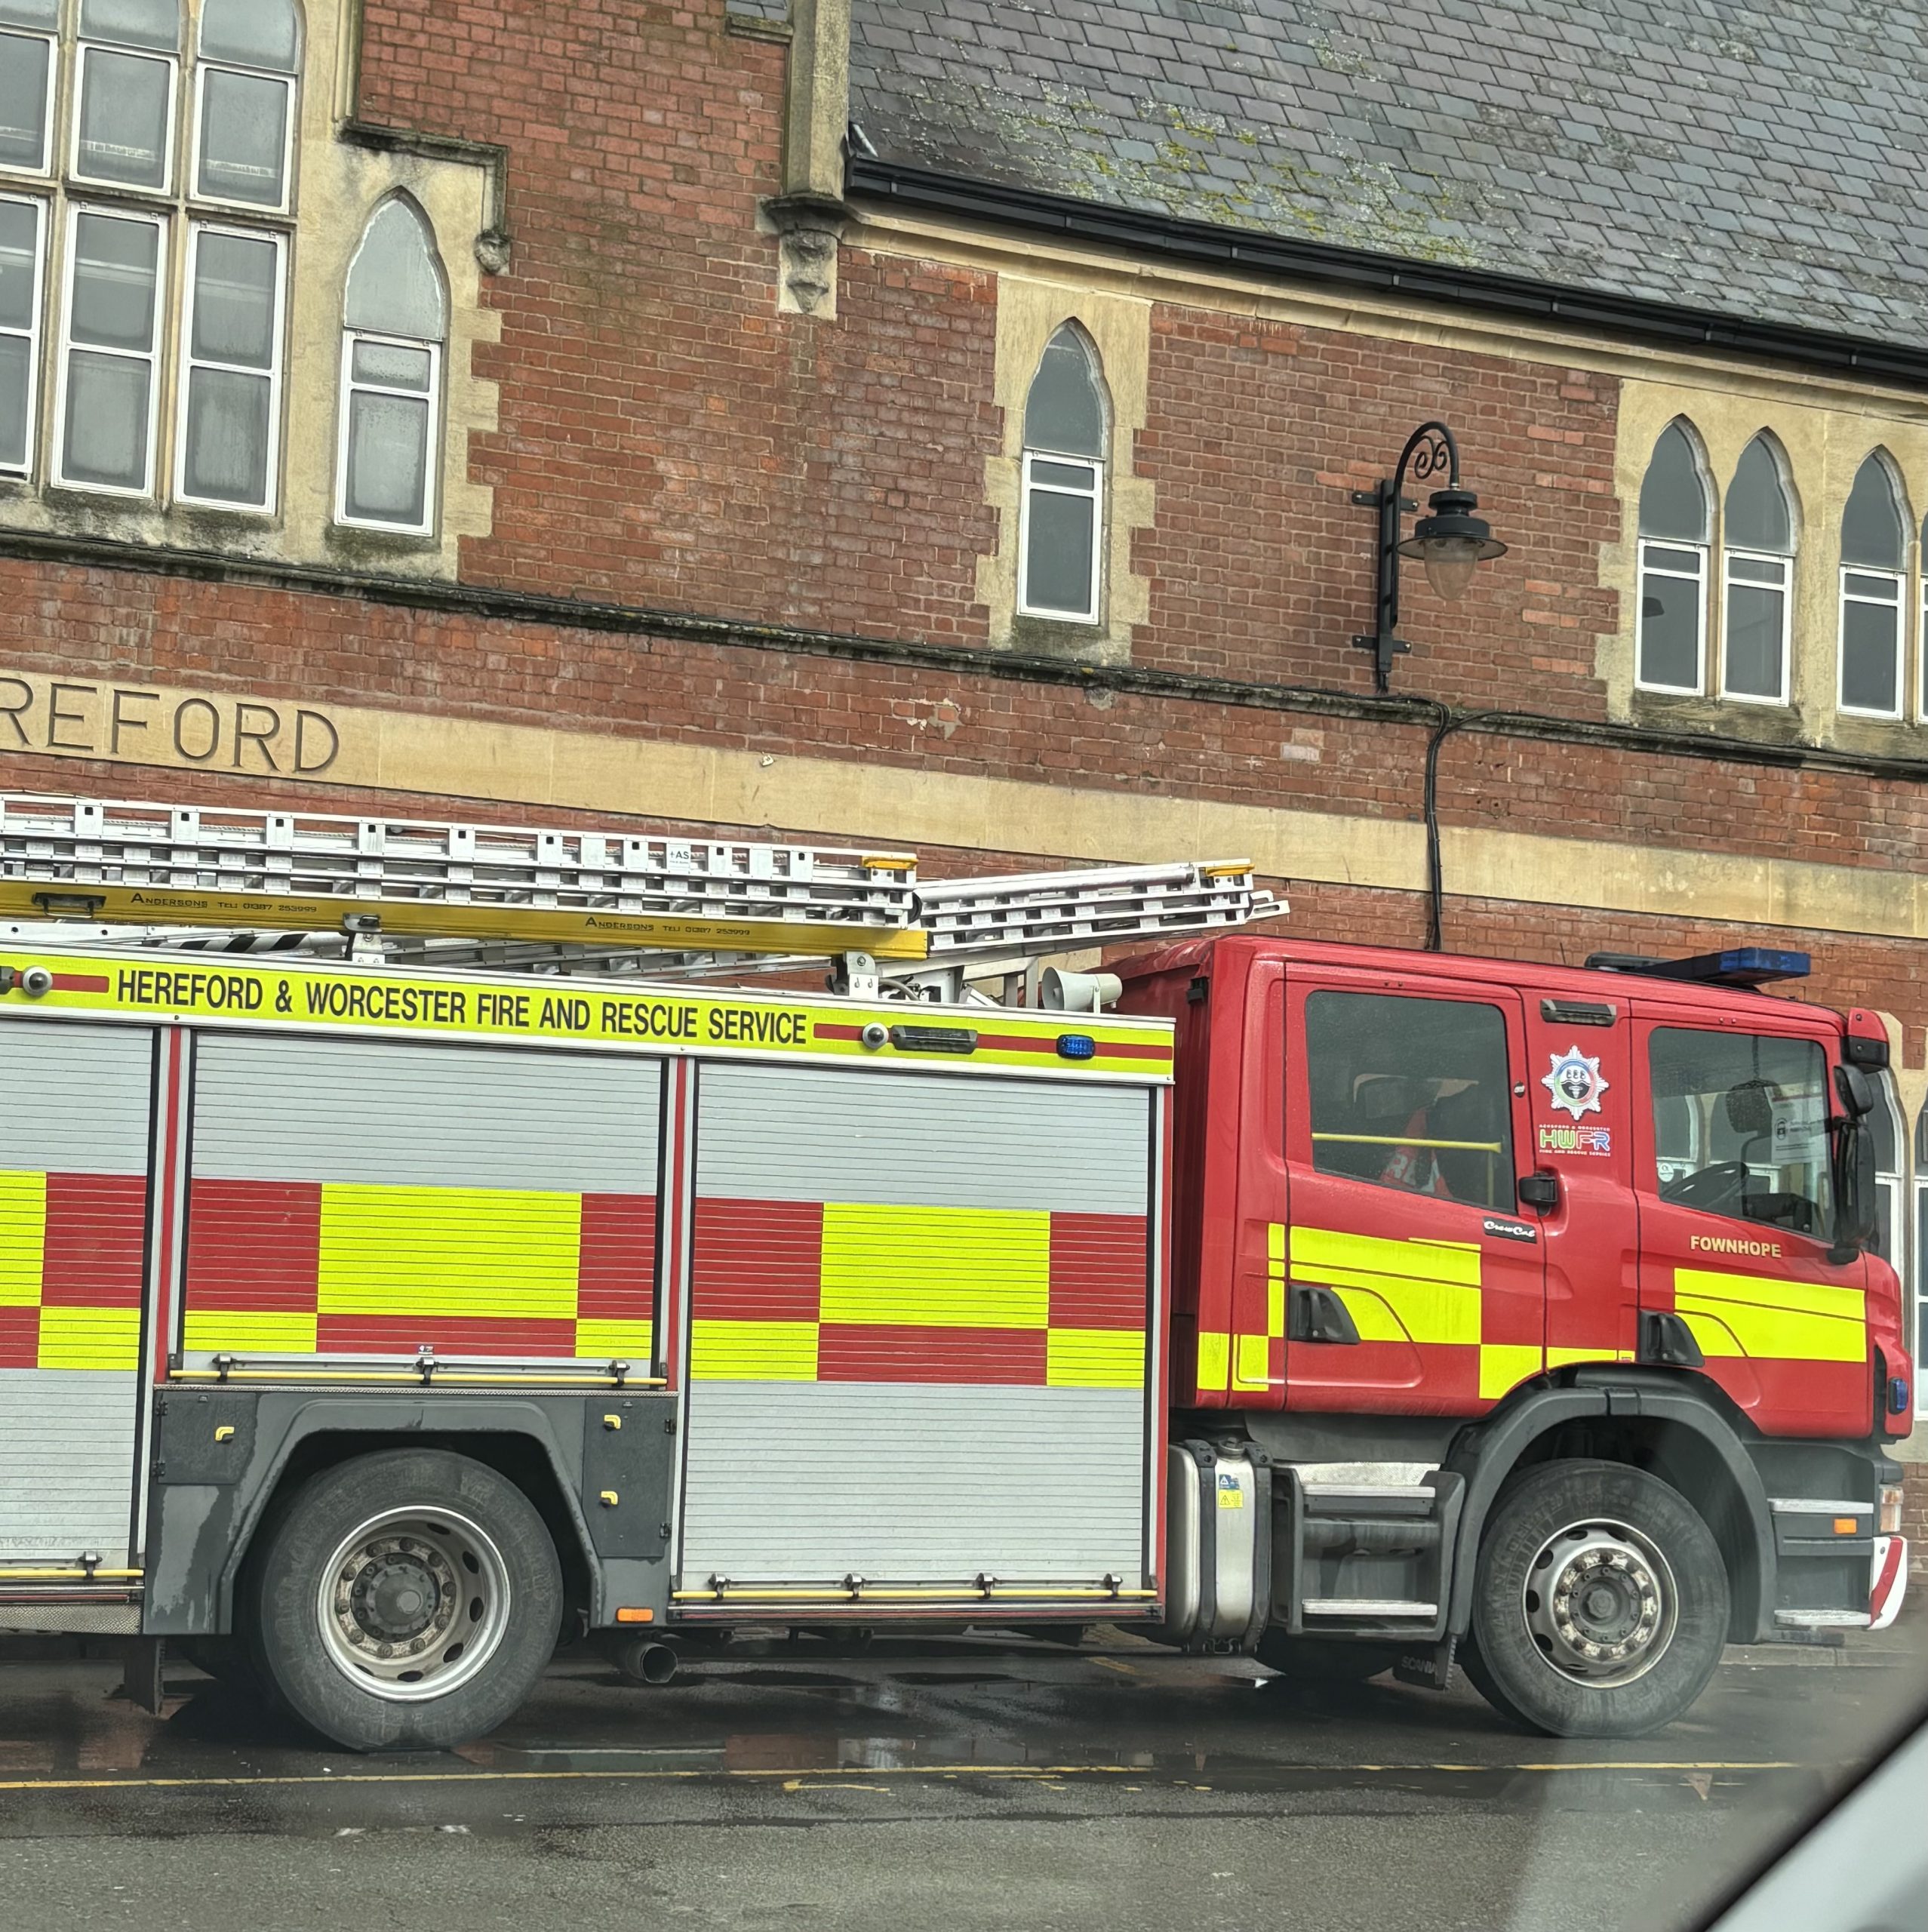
(96, 1241)
(82, 982)
(868, 1351)
(616, 1265)
(447, 1334)
(1098, 1271)
(1884, 1584)
(253, 1245)
(167, 1138)
(756, 1260)
(20, 1338)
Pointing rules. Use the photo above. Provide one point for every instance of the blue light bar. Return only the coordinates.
(1076, 1046)
(1738, 966)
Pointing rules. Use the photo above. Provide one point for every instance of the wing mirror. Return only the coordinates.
(1856, 1090)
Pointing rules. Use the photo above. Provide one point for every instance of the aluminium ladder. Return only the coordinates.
(572, 902)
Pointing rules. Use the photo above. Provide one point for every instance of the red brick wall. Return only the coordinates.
(1262, 566)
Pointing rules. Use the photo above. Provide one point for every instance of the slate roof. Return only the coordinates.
(1764, 162)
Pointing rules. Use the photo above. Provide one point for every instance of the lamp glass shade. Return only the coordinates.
(1450, 562)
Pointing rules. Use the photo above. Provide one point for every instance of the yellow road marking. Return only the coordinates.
(830, 1771)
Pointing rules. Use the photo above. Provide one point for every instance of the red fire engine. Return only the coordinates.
(401, 1266)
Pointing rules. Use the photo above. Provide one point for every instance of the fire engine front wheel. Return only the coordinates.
(407, 1601)
(1600, 1603)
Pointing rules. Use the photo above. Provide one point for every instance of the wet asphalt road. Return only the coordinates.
(934, 1785)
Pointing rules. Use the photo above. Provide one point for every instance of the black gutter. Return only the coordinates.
(1204, 245)
(1414, 713)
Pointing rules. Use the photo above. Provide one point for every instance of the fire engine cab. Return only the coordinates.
(419, 1243)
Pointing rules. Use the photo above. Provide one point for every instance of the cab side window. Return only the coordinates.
(1740, 1128)
(1411, 1094)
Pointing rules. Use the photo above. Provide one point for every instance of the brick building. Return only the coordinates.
(940, 422)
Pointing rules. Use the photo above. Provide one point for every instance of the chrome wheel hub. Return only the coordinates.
(413, 1604)
(1600, 1603)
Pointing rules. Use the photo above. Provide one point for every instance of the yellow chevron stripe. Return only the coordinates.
(23, 1238)
(1395, 1290)
(947, 1267)
(1756, 1317)
(448, 1251)
(1504, 1366)
(1214, 1360)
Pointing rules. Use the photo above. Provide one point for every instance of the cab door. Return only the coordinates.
(1413, 1284)
(1734, 1175)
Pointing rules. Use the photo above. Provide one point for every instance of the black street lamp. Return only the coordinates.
(1451, 542)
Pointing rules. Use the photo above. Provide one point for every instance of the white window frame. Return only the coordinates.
(1921, 667)
(1785, 564)
(431, 456)
(172, 62)
(1899, 604)
(153, 357)
(187, 362)
(51, 136)
(35, 329)
(1699, 579)
(202, 69)
(1095, 496)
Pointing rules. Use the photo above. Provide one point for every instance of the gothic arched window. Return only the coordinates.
(1062, 517)
(395, 321)
(1757, 574)
(1670, 633)
(1874, 566)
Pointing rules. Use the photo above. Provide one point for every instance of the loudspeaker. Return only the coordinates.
(1080, 993)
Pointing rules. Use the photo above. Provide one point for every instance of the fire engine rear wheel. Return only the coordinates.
(407, 1601)
(1600, 1603)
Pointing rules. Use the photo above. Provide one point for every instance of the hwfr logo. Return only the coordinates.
(1575, 1083)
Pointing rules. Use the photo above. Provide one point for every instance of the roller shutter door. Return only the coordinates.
(73, 1216)
(365, 1199)
(919, 1311)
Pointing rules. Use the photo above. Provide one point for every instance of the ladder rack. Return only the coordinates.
(609, 904)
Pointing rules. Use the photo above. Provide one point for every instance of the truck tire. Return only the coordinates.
(1324, 1660)
(406, 1600)
(1600, 1603)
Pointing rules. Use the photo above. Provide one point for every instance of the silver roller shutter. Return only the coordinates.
(73, 1163)
(359, 1198)
(804, 1476)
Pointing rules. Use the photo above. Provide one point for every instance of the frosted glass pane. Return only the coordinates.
(23, 65)
(1871, 523)
(1058, 563)
(1063, 411)
(226, 453)
(1754, 640)
(257, 33)
(15, 372)
(1673, 499)
(394, 287)
(106, 425)
(1757, 514)
(243, 138)
(31, 13)
(388, 451)
(114, 265)
(1871, 656)
(19, 235)
(133, 23)
(393, 367)
(123, 118)
(234, 300)
(1670, 631)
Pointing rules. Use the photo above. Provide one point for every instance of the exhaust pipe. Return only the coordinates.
(643, 1661)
